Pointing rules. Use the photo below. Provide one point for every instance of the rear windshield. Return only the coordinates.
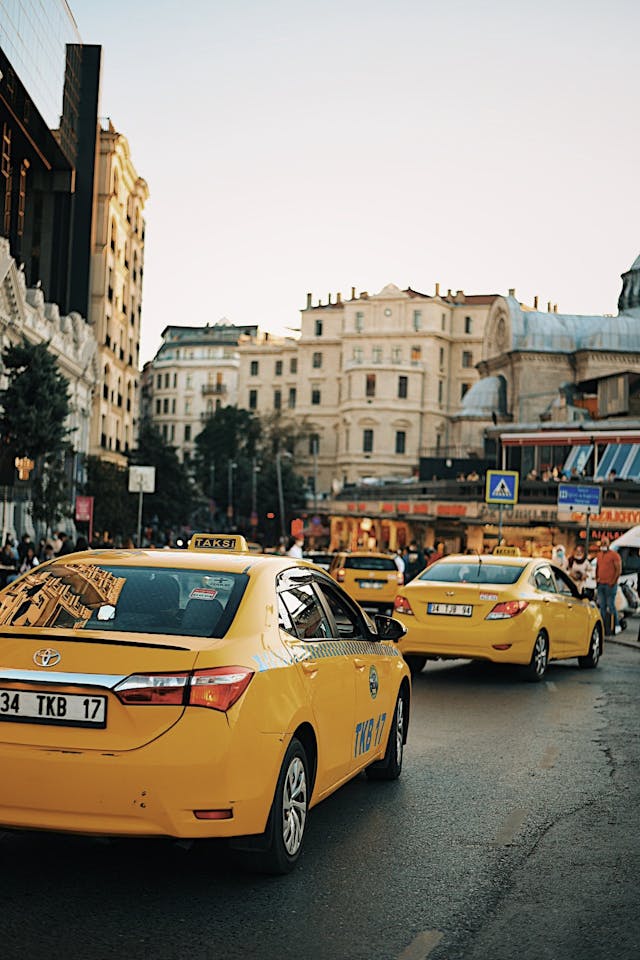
(473, 572)
(369, 563)
(87, 596)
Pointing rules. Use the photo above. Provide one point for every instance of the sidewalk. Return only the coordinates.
(628, 637)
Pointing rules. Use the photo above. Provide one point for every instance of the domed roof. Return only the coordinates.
(566, 333)
(485, 397)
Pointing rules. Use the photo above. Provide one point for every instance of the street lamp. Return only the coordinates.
(231, 467)
(255, 470)
(279, 455)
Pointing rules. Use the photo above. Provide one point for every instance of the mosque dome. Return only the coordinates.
(485, 397)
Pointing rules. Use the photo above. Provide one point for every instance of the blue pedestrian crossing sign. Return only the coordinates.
(502, 486)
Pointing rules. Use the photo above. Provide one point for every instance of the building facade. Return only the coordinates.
(195, 371)
(24, 313)
(117, 272)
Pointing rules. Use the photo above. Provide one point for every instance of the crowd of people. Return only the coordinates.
(17, 558)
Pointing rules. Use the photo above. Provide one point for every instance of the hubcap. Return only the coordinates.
(595, 645)
(294, 806)
(399, 728)
(540, 655)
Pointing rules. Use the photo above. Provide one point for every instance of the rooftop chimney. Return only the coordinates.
(512, 291)
(364, 295)
(309, 296)
(460, 295)
(338, 298)
(449, 292)
(535, 302)
(329, 298)
(548, 306)
(437, 289)
(353, 293)
(555, 308)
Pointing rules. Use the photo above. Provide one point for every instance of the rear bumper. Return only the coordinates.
(477, 643)
(151, 791)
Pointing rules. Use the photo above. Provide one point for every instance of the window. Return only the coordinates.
(367, 441)
(158, 406)
(292, 398)
(349, 623)
(253, 399)
(187, 432)
(467, 358)
(159, 381)
(314, 444)
(175, 380)
(166, 381)
(359, 321)
(278, 368)
(165, 405)
(417, 319)
(443, 322)
(189, 381)
(370, 388)
(440, 391)
(543, 580)
(403, 387)
(467, 324)
(376, 355)
(173, 405)
(357, 355)
(317, 361)
(464, 388)
(401, 441)
(253, 369)
(301, 614)
(277, 399)
(187, 406)
(396, 355)
(318, 328)
(293, 365)
(416, 354)
(441, 358)
(315, 396)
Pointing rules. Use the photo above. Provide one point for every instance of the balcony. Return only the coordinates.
(213, 389)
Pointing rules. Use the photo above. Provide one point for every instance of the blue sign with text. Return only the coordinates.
(581, 497)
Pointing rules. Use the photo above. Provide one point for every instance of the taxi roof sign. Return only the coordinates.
(504, 551)
(222, 542)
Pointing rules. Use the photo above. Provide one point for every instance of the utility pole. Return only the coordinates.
(231, 467)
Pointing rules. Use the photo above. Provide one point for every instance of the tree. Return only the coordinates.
(35, 410)
(114, 510)
(173, 500)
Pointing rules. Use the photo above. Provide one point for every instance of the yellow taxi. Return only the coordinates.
(211, 692)
(506, 609)
(371, 579)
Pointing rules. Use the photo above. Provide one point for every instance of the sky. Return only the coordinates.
(317, 145)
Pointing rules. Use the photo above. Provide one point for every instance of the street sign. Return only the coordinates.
(142, 479)
(580, 498)
(502, 486)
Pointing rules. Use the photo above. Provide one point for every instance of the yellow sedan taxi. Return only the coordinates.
(503, 609)
(211, 692)
(371, 579)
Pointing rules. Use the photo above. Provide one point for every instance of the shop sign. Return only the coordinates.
(451, 510)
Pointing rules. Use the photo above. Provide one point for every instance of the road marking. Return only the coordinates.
(510, 827)
(422, 945)
(549, 758)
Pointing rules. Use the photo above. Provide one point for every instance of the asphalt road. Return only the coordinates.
(513, 833)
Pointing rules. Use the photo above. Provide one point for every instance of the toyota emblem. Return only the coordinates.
(46, 657)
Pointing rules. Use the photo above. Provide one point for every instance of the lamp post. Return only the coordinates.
(231, 467)
(315, 476)
(255, 470)
(279, 455)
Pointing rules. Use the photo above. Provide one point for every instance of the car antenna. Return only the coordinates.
(479, 560)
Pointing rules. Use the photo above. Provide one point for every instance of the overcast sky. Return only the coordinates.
(315, 145)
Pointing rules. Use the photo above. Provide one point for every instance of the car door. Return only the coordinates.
(576, 633)
(552, 608)
(372, 667)
(326, 671)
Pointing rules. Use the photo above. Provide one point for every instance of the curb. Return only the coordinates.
(634, 644)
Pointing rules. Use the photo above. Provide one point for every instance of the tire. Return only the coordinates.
(590, 661)
(415, 664)
(537, 666)
(390, 767)
(288, 815)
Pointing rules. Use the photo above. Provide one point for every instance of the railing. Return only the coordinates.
(211, 389)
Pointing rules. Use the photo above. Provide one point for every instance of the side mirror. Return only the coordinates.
(389, 629)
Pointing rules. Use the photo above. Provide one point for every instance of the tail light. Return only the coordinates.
(340, 575)
(506, 610)
(218, 688)
(402, 605)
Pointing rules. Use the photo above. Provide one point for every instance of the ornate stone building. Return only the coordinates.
(23, 312)
(117, 270)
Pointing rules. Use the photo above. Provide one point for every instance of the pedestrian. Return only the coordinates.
(23, 546)
(414, 561)
(81, 544)
(295, 548)
(559, 556)
(398, 560)
(608, 570)
(578, 567)
(66, 547)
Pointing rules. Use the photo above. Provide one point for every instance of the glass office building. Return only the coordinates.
(34, 35)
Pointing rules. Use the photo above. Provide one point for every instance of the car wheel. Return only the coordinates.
(590, 661)
(415, 664)
(288, 815)
(537, 666)
(390, 767)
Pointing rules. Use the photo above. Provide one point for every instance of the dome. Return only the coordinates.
(485, 397)
(566, 333)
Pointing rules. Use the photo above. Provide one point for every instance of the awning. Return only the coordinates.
(568, 438)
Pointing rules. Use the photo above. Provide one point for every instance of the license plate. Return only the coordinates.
(59, 709)
(370, 584)
(451, 609)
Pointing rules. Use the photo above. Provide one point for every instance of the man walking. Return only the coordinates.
(608, 569)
